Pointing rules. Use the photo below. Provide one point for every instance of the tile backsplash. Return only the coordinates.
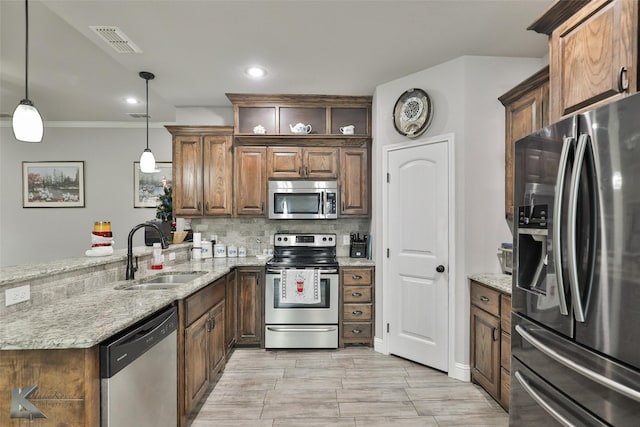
(245, 231)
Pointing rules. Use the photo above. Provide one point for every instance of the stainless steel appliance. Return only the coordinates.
(138, 371)
(301, 292)
(303, 199)
(576, 295)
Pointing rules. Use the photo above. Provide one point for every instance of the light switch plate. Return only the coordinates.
(16, 295)
(346, 239)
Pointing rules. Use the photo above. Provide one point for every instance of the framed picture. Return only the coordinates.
(53, 184)
(147, 187)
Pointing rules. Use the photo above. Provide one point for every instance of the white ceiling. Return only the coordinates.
(199, 49)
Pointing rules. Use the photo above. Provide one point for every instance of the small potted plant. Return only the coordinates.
(164, 211)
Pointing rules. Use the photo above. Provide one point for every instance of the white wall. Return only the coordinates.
(464, 93)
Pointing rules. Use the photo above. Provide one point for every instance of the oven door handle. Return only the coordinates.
(332, 271)
(285, 329)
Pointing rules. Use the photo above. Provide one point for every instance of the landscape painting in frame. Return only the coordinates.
(53, 184)
(148, 187)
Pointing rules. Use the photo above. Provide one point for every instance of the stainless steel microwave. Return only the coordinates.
(303, 199)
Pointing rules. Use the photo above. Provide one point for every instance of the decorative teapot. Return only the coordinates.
(300, 128)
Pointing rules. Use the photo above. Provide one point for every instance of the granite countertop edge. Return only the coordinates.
(498, 281)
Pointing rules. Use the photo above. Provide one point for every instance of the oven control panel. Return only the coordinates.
(304, 240)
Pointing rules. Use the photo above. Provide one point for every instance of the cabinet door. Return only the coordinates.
(196, 354)
(593, 56)
(485, 350)
(354, 182)
(230, 310)
(284, 162)
(217, 175)
(250, 181)
(217, 346)
(250, 301)
(523, 117)
(187, 175)
(320, 162)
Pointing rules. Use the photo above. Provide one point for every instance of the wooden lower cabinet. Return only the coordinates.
(202, 351)
(356, 306)
(491, 341)
(250, 289)
(231, 309)
(68, 383)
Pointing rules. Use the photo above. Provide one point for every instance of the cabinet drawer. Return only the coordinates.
(356, 276)
(505, 351)
(485, 298)
(356, 294)
(505, 313)
(356, 330)
(200, 302)
(357, 312)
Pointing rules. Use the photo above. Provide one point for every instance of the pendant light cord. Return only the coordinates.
(26, 51)
(147, 114)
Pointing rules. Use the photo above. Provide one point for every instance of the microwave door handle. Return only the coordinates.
(322, 202)
(567, 143)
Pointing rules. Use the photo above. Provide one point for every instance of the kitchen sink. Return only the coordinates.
(160, 282)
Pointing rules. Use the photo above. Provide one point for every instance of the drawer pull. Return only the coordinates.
(356, 331)
(357, 312)
(484, 299)
(494, 335)
(356, 277)
(356, 294)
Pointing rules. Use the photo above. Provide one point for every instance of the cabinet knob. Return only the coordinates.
(356, 331)
(484, 299)
(440, 268)
(356, 277)
(356, 294)
(357, 312)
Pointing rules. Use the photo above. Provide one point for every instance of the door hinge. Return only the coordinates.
(388, 252)
(387, 328)
(388, 177)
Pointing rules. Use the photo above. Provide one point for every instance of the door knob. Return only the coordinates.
(440, 268)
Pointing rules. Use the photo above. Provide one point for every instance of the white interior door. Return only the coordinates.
(417, 224)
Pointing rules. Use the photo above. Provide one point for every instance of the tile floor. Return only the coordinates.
(348, 387)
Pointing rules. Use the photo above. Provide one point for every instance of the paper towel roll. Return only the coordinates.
(180, 223)
(197, 240)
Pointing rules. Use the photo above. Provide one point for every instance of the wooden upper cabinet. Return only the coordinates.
(593, 53)
(202, 170)
(250, 181)
(354, 182)
(526, 110)
(311, 162)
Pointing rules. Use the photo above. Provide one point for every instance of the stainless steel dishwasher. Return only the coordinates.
(138, 371)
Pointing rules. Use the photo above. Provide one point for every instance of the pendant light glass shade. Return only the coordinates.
(27, 122)
(147, 160)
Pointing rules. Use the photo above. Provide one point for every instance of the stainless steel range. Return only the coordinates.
(301, 295)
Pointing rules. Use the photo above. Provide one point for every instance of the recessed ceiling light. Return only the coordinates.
(132, 100)
(256, 72)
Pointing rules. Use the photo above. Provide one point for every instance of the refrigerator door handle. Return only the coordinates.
(541, 401)
(557, 223)
(572, 262)
(582, 370)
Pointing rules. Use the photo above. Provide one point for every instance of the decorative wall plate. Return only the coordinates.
(412, 113)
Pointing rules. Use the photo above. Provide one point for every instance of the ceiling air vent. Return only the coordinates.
(138, 115)
(116, 39)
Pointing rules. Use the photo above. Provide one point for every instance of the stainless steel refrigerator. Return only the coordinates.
(576, 277)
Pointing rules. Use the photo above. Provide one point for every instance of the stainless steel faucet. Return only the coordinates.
(130, 268)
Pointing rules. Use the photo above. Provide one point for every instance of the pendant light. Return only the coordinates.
(27, 122)
(147, 161)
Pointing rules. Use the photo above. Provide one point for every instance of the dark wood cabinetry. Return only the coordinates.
(593, 53)
(250, 183)
(231, 309)
(526, 110)
(357, 309)
(354, 182)
(490, 341)
(308, 162)
(202, 170)
(250, 305)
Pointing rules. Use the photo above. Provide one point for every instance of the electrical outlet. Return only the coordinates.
(16, 295)
(346, 239)
(172, 256)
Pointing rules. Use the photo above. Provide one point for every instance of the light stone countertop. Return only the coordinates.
(499, 282)
(88, 318)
